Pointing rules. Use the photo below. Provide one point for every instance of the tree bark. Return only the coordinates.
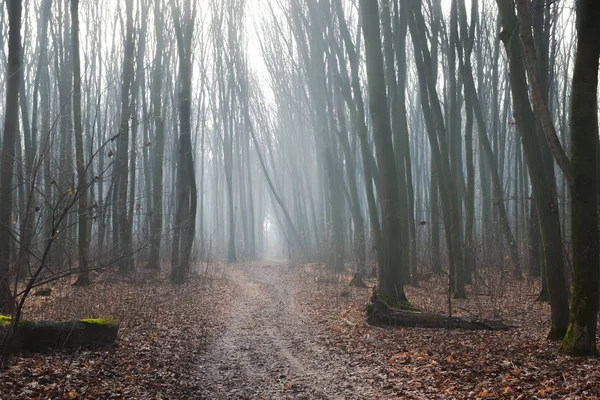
(159, 141)
(11, 132)
(391, 285)
(399, 133)
(581, 334)
(122, 240)
(82, 184)
(400, 28)
(187, 196)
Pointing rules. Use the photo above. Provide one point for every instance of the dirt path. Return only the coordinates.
(271, 350)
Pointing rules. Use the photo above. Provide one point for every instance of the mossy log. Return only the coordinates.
(379, 313)
(40, 336)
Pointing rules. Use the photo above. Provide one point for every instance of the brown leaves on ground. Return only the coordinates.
(168, 332)
(416, 363)
(163, 328)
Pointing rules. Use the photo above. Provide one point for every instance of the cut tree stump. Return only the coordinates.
(357, 281)
(379, 313)
(40, 336)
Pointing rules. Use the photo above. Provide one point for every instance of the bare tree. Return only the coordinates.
(390, 277)
(82, 182)
(121, 219)
(185, 217)
(159, 139)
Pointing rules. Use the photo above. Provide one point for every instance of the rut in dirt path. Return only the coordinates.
(271, 350)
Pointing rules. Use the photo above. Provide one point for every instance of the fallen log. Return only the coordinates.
(379, 313)
(41, 336)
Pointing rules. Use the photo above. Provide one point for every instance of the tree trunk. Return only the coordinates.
(82, 184)
(123, 226)
(187, 196)
(159, 141)
(391, 285)
(541, 171)
(434, 203)
(581, 335)
(399, 132)
(400, 27)
(11, 132)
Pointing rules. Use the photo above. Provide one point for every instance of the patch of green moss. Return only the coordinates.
(5, 320)
(100, 321)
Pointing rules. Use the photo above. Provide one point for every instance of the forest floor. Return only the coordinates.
(273, 330)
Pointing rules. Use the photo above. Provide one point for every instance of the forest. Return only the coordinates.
(299, 199)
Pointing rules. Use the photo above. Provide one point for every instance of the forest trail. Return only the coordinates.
(270, 349)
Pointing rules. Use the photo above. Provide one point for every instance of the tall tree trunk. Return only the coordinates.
(400, 27)
(399, 132)
(159, 141)
(187, 196)
(82, 184)
(123, 239)
(581, 335)
(390, 280)
(11, 132)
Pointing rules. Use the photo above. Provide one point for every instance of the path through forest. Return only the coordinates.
(271, 349)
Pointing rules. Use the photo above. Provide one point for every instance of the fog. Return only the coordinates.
(396, 139)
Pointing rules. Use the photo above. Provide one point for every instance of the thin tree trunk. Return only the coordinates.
(82, 184)
(159, 141)
(123, 243)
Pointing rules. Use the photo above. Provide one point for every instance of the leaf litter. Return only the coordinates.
(163, 329)
(418, 363)
(285, 331)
